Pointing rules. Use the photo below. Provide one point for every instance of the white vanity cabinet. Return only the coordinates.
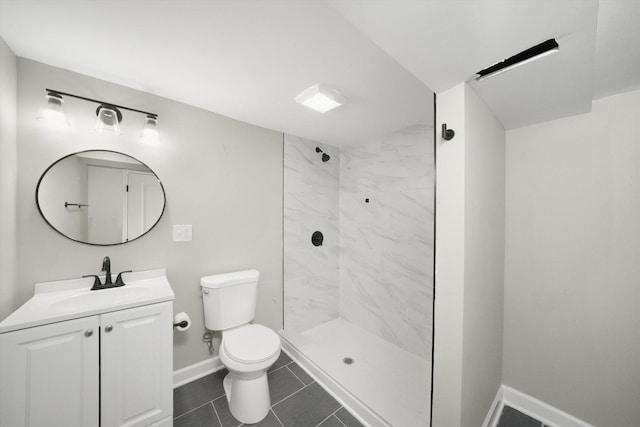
(49, 375)
(113, 367)
(136, 365)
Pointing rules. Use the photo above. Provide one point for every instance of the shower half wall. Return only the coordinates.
(373, 273)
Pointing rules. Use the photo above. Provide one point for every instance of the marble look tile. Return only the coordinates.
(386, 245)
(311, 204)
(378, 255)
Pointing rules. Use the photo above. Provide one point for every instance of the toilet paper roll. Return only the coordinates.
(179, 319)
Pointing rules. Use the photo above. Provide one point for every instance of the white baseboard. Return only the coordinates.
(195, 371)
(541, 411)
(491, 420)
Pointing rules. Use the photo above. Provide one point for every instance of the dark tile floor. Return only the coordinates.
(296, 400)
(513, 418)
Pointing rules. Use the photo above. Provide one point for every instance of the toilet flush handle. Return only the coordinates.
(205, 291)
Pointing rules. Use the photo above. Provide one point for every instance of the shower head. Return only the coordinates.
(325, 156)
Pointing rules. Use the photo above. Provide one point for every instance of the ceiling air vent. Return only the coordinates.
(538, 51)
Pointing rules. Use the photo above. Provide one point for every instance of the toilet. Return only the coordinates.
(247, 350)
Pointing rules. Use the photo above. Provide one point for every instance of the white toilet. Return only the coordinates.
(246, 350)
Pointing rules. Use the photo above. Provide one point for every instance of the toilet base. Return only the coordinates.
(248, 398)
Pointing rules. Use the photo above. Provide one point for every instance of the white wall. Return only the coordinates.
(222, 176)
(484, 259)
(469, 260)
(8, 178)
(572, 276)
(450, 243)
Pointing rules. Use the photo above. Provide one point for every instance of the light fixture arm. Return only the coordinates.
(60, 93)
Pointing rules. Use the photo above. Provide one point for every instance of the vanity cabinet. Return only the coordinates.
(110, 369)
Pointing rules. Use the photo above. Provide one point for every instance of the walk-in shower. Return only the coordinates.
(358, 306)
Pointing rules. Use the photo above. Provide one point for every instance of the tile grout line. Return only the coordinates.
(294, 374)
(215, 411)
(277, 418)
(280, 367)
(191, 410)
(295, 392)
(331, 415)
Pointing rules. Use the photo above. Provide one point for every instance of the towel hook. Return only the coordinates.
(447, 134)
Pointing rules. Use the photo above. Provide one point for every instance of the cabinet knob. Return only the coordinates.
(108, 328)
(88, 332)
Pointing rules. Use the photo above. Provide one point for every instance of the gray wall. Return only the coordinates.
(469, 260)
(8, 178)
(484, 259)
(222, 176)
(572, 276)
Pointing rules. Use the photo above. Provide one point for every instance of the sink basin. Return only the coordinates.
(102, 298)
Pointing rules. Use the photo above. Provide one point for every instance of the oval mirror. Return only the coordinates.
(100, 197)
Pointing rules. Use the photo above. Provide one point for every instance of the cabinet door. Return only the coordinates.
(136, 357)
(49, 375)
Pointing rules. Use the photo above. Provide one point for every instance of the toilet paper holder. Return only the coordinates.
(182, 324)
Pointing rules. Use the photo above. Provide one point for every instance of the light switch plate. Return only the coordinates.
(182, 233)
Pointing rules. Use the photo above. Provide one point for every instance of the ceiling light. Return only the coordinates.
(52, 114)
(109, 115)
(536, 52)
(109, 118)
(320, 98)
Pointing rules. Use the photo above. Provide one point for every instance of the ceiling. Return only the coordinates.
(249, 59)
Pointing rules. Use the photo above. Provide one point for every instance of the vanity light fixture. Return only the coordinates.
(150, 130)
(320, 98)
(52, 113)
(536, 52)
(109, 118)
(109, 115)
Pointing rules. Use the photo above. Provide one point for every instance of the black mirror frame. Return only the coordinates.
(164, 193)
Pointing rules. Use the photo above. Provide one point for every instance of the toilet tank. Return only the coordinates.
(229, 299)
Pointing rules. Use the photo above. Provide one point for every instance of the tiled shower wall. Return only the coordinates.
(386, 244)
(375, 268)
(310, 204)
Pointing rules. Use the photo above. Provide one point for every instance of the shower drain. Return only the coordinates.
(347, 361)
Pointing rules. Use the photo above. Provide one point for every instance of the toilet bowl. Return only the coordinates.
(246, 350)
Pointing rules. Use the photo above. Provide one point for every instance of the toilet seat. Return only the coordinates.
(251, 344)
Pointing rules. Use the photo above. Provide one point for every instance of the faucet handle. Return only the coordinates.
(119, 281)
(96, 282)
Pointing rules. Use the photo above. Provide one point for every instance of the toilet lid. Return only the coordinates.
(251, 343)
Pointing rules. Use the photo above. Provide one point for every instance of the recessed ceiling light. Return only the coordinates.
(536, 52)
(320, 98)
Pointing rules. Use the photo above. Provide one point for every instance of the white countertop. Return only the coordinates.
(70, 299)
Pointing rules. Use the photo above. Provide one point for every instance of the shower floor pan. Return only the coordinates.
(382, 383)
